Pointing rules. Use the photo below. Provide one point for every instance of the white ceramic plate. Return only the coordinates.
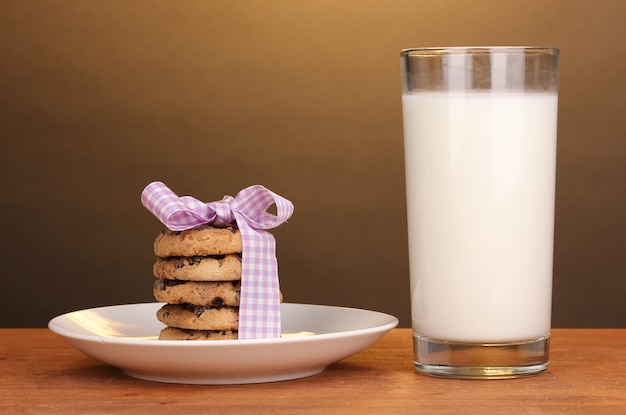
(314, 336)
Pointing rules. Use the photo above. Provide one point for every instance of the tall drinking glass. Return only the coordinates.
(480, 150)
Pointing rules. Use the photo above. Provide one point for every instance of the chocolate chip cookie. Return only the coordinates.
(199, 268)
(199, 241)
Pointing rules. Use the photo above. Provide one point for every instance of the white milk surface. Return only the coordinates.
(480, 173)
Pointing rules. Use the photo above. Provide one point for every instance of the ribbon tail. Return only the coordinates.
(259, 309)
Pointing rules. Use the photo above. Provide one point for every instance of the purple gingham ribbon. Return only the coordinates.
(259, 310)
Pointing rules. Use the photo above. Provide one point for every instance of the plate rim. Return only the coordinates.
(63, 332)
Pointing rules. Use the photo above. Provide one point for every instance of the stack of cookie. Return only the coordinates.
(198, 275)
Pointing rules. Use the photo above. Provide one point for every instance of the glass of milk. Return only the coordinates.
(480, 129)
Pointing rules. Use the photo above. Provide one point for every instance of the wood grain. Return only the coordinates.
(40, 373)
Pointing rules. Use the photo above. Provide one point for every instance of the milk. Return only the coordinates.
(480, 171)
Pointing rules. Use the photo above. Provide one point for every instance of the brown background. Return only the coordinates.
(98, 98)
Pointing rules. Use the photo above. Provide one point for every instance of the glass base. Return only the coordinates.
(480, 360)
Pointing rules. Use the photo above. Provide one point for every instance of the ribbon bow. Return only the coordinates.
(259, 309)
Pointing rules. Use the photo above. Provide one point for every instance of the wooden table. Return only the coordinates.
(40, 373)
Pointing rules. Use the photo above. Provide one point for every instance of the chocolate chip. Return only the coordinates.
(197, 309)
(194, 260)
(188, 307)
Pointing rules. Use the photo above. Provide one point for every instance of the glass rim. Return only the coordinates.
(438, 51)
